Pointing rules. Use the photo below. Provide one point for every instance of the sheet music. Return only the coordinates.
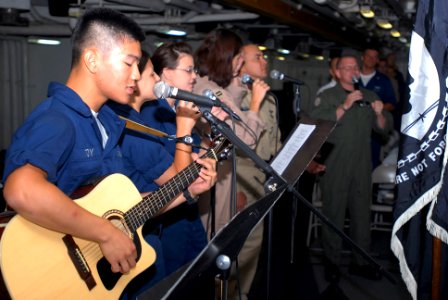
(289, 150)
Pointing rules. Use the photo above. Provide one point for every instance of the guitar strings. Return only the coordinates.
(150, 206)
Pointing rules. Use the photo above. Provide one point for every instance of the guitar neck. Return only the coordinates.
(154, 202)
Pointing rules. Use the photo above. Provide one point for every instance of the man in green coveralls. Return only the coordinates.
(347, 180)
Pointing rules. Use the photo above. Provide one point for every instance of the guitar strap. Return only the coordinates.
(148, 130)
(145, 129)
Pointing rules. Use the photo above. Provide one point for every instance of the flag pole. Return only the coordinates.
(436, 267)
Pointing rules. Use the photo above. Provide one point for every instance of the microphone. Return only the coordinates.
(246, 79)
(355, 81)
(281, 76)
(361, 103)
(164, 90)
(209, 94)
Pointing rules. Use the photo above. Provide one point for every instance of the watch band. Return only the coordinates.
(187, 139)
(189, 198)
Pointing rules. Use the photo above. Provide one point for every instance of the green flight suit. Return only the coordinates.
(346, 182)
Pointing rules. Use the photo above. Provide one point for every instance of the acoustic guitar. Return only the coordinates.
(38, 263)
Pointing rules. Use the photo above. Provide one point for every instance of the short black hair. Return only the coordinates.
(346, 56)
(372, 46)
(101, 26)
(143, 61)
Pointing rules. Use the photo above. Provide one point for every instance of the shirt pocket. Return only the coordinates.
(85, 162)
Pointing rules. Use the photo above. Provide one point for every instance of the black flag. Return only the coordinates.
(421, 200)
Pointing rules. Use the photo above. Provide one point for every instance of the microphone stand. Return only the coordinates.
(225, 247)
(276, 181)
(222, 127)
(296, 107)
(297, 100)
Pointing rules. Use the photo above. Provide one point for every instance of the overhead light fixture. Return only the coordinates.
(395, 33)
(262, 48)
(47, 42)
(173, 31)
(280, 58)
(319, 57)
(366, 11)
(403, 39)
(384, 23)
(283, 51)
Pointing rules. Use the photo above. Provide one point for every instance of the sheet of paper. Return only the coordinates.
(289, 150)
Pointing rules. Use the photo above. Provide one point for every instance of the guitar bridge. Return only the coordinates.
(79, 261)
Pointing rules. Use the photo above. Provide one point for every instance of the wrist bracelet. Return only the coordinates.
(189, 198)
(343, 108)
(183, 150)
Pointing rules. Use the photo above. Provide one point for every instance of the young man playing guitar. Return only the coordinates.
(71, 139)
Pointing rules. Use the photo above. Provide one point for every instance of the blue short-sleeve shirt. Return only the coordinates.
(62, 138)
(145, 156)
(160, 115)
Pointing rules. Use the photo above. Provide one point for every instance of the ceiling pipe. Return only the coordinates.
(198, 6)
(348, 6)
(395, 5)
(197, 19)
(38, 30)
(152, 5)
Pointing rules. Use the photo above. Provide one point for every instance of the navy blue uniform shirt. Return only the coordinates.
(62, 138)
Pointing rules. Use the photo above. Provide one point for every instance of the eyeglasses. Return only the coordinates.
(349, 68)
(189, 70)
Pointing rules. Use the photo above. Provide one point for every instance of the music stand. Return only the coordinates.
(215, 259)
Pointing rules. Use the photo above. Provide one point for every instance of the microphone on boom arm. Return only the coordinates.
(281, 76)
(164, 90)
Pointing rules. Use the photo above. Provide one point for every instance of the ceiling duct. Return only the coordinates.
(151, 5)
(11, 17)
(59, 8)
(37, 30)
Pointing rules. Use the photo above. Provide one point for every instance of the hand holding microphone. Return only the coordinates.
(187, 114)
(377, 105)
(359, 101)
(259, 90)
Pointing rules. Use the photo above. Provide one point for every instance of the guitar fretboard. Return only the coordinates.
(154, 202)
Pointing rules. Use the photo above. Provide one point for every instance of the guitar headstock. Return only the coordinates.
(221, 147)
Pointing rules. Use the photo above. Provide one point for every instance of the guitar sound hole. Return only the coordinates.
(109, 278)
